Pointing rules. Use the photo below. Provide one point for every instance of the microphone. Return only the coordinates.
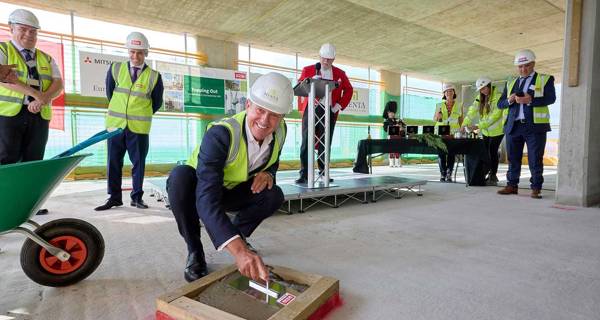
(318, 67)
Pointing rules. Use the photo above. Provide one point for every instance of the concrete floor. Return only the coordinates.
(455, 253)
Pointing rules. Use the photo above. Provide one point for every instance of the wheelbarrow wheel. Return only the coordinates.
(78, 238)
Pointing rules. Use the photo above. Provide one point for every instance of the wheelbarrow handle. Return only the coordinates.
(98, 137)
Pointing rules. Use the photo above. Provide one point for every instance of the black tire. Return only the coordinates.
(90, 237)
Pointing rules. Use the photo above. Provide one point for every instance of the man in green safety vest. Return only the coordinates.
(527, 98)
(135, 92)
(25, 110)
(233, 169)
(33, 80)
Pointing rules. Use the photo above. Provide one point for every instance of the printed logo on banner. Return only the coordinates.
(204, 95)
(240, 75)
(93, 68)
(359, 105)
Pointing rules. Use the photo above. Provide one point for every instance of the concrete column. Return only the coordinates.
(391, 90)
(221, 54)
(579, 151)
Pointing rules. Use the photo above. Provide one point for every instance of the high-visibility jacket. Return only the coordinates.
(490, 123)
(131, 103)
(11, 101)
(236, 165)
(453, 119)
(541, 114)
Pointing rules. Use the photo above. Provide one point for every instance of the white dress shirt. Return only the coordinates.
(528, 79)
(258, 155)
(327, 74)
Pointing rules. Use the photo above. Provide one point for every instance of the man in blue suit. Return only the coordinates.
(233, 169)
(527, 99)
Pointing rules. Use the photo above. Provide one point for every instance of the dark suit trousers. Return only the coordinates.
(251, 208)
(136, 146)
(522, 135)
(446, 163)
(319, 130)
(23, 137)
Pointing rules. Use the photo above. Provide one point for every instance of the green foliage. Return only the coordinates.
(431, 140)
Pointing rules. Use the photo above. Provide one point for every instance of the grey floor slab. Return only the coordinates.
(455, 253)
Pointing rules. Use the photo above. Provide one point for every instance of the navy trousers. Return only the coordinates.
(446, 163)
(136, 146)
(251, 208)
(23, 137)
(522, 135)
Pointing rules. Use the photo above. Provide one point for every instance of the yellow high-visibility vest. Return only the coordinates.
(236, 166)
(131, 102)
(11, 101)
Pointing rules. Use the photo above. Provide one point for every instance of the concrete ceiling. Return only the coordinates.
(449, 40)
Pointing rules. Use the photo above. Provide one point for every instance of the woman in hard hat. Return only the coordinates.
(390, 121)
(448, 112)
(485, 116)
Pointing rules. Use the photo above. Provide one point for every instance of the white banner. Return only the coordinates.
(359, 105)
(92, 72)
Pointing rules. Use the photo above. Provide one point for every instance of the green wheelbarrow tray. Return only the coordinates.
(25, 186)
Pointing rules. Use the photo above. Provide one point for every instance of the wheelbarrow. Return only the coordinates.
(60, 252)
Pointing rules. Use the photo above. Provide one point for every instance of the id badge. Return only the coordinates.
(33, 82)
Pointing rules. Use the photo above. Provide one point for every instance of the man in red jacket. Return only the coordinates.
(340, 98)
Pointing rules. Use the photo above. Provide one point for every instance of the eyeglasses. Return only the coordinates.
(25, 29)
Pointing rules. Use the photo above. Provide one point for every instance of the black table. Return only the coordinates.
(477, 159)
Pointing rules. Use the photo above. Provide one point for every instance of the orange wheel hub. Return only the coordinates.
(73, 246)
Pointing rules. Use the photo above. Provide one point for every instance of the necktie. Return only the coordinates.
(135, 74)
(32, 70)
(522, 84)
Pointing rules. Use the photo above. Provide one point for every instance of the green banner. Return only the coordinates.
(204, 95)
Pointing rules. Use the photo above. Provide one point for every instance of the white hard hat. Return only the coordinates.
(482, 82)
(26, 17)
(448, 86)
(524, 57)
(138, 41)
(273, 91)
(327, 51)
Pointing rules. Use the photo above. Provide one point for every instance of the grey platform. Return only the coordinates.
(348, 186)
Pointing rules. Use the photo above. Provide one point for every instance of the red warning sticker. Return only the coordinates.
(286, 299)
